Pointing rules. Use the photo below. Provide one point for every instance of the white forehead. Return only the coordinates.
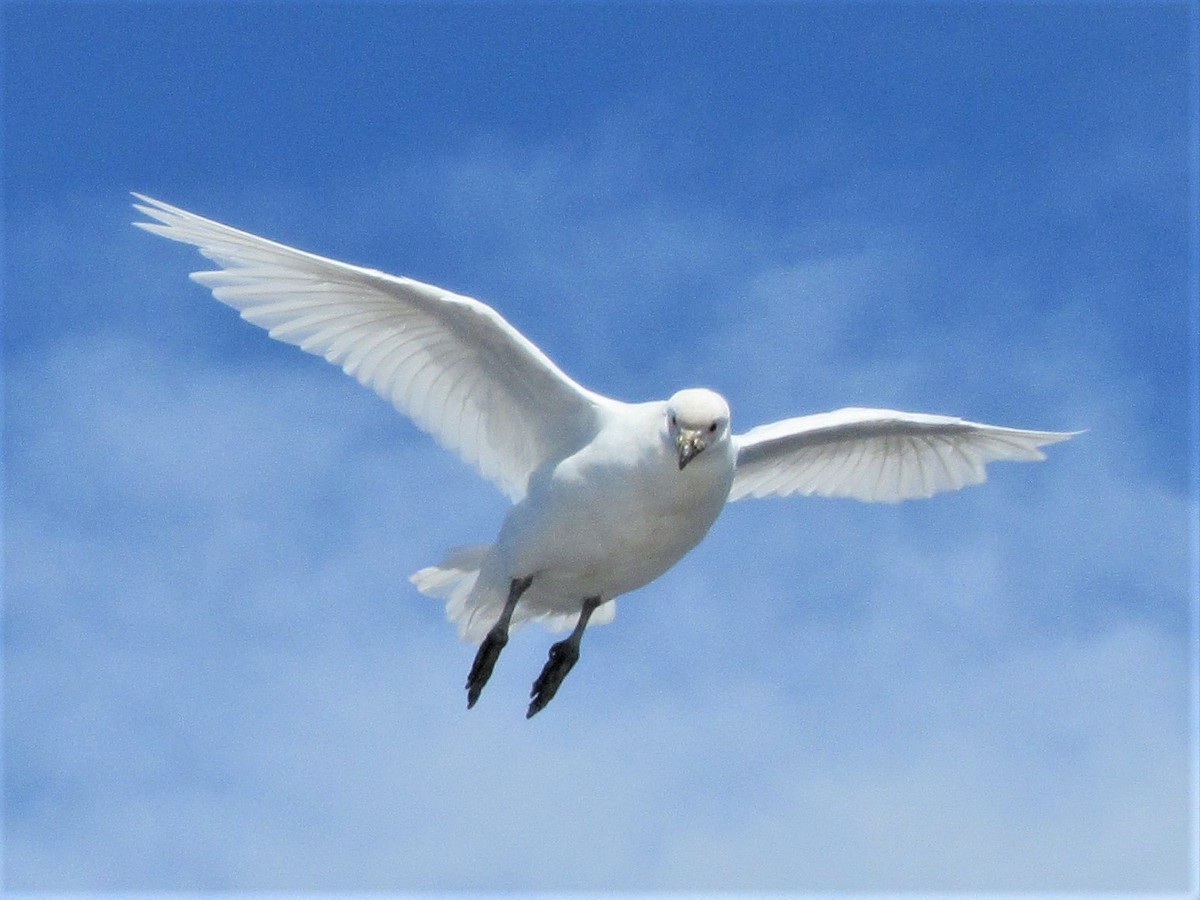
(698, 406)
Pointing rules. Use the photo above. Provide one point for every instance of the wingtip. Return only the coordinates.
(166, 219)
(155, 208)
(145, 202)
(150, 207)
(1054, 437)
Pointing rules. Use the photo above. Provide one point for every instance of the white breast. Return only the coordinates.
(615, 515)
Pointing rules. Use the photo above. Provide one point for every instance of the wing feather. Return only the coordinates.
(876, 454)
(451, 363)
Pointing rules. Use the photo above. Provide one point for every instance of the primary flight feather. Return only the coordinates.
(607, 495)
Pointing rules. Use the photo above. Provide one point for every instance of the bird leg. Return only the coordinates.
(563, 656)
(493, 643)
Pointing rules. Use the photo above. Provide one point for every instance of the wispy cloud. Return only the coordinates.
(217, 675)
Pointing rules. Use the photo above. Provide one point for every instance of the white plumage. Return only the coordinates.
(607, 495)
(450, 363)
(875, 454)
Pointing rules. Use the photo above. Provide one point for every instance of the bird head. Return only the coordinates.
(697, 418)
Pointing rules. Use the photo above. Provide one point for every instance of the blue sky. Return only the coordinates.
(216, 675)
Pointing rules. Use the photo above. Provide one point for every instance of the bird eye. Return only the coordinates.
(712, 428)
(672, 420)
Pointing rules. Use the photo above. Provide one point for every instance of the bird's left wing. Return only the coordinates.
(451, 363)
(875, 454)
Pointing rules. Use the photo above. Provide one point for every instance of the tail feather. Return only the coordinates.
(454, 580)
(445, 579)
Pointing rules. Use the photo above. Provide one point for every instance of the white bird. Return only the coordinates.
(607, 495)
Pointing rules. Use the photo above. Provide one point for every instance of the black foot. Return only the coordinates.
(563, 656)
(485, 661)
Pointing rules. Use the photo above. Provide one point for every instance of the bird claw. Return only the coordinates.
(485, 661)
(563, 657)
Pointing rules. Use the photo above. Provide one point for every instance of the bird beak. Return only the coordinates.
(688, 444)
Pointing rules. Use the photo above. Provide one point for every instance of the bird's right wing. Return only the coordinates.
(875, 454)
(451, 363)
